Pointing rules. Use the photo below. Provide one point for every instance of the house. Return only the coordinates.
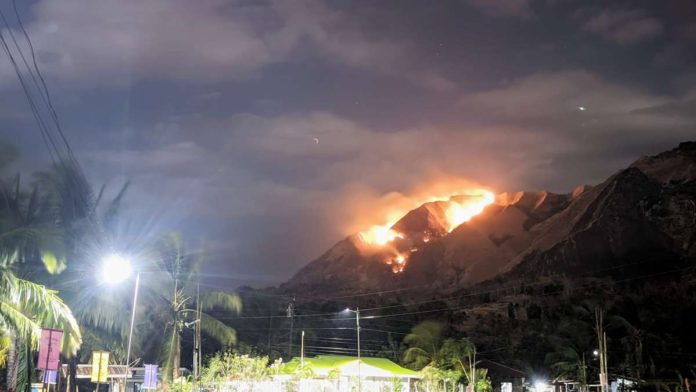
(340, 373)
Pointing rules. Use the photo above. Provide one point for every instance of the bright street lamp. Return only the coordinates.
(357, 326)
(116, 269)
(540, 386)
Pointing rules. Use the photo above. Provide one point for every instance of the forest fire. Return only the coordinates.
(460, 207)
(379, 235)
(458, 213)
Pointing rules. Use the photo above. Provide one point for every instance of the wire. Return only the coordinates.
(46, 136)
(48, 101)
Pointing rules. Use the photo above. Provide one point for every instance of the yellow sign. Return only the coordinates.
(100, 366)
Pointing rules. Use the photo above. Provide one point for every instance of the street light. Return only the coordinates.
(116, 269)
(540, 386)
(357, 325)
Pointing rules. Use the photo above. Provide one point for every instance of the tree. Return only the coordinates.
(227, 366)
(177, 310)
(82, 229)
(573, 337)
(423, 345)
(633, 340)
(460, 355)
(27, 307)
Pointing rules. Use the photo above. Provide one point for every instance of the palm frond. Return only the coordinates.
(5, 346)
(169, 352)
(31, 306)
(105, 313)
(224, 334)
(18, 321)
(222, 301)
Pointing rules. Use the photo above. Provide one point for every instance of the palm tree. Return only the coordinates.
(461, 355)
(572, 339)
(423, 345)
(24, 234)
(178, 307)
(27, 307)
(83, 231)
(634, 341)
(86, 228)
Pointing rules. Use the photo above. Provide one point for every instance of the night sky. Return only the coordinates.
(265, 131)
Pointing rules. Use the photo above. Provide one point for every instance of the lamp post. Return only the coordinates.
(115, 270)
(357, 326)
(132, 322)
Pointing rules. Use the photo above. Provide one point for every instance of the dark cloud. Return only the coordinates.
(122, 42)
(624, 26)
(266, 131)
(507, 8)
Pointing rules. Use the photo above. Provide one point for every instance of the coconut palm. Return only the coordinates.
(25, 236)
(460, 355)
(572, 339)
(423, 345)
(27, 307)
(86, 229)
(83, 230)
(638, 343)
(178, 307)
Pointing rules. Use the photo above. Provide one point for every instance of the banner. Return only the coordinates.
(100, 366)
(150, 378)
(49, 377)
(49, 349)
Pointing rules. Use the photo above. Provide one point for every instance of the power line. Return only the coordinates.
(48, 102)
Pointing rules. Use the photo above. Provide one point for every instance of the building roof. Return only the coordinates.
(322, 365)
(85, 371)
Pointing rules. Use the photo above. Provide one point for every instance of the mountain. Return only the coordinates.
(641, 220)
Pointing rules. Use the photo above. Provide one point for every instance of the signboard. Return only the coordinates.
(100, 366)
(49, 349)
(150, 378)
(49, 377)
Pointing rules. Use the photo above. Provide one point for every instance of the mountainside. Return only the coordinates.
(640, 220)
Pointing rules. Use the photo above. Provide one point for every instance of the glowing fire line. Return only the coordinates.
(457, 212)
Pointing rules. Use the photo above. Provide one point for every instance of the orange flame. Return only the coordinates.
(398, 263)
(461, 207)
(460, 212)
(457, 213)
(379, 235)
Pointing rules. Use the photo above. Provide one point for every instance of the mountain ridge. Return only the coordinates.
(644, 212)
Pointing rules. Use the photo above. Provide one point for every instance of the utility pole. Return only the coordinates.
(291, 315)
(357, 324)
(302, 351)
(357, 328)
(602, 341)
(197, 340)
(584, 374)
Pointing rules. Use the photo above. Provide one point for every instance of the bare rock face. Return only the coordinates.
(678, 164)
(428, 219)
(641, 220)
